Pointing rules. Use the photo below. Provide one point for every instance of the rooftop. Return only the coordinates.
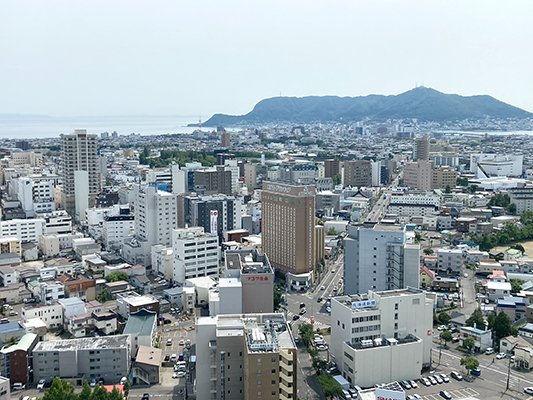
(148, 355)
(141, 323)
(24, 343)
(118, 341)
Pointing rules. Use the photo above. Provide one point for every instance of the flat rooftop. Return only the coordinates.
(388, 227)
(118, 341)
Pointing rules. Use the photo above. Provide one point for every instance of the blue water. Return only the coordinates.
(14, 128)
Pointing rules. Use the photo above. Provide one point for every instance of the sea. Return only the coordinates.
(52, 127)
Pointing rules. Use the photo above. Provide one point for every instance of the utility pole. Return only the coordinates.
(508, 373)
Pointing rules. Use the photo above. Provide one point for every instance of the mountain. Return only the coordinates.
(423, 103)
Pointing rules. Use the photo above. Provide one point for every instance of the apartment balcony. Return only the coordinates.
(285, 396)
(284, 386)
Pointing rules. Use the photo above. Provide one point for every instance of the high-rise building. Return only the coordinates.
(332, 167)
(78, 153)
(245, 356)
(357, 173)
(417, 175)
(225, 140)
(380, 258)
(443, 177)
(288, 226)
(217, 179)
(421, 152)
(382, 336)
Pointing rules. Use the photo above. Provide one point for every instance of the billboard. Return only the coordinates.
(214, 222)
(384, 394)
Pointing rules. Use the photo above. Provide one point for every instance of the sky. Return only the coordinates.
(200, 57)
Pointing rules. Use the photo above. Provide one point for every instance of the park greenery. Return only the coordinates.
(63, 390)
(117, 276)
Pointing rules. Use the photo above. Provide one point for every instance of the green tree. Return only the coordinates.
(469, 343)
(60, 390)
(469, 363)
(320, 222)
(105, 296)
(473, 188)
(444, 318)
(126, 389)
(502, 326)
(446, 336)
(117, 276)
(462, 182)
(332, 231)
(476, 319)
(99, 393)
(500, 200)
(330, 386)
(448, 189)
(337, 179)
(516, 285)
(306, 333)
(511, 209)
(86, 391)
(527, 218)
(428, 251)
(518, 247)
(278, 299)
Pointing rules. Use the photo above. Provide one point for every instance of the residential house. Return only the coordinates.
(145, 369)
(483, 339)
(426, 277)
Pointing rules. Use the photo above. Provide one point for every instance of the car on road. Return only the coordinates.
(499, 356)
(528, 390)
(303, 311)
(332, 271)
(322, 347)
(295, 317)
(475, 372)
(182, 342)
(322, 287)
(455, 340)
(328, 309)
(302, 305)
(319, 300)
(445, 394)
(181, 374)
(13, 313)
(146, 396)
(40, 385)
(456, 375)
(445, 378)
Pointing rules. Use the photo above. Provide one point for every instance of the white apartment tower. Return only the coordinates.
(380, 258)
(78, 153)
(195, 253)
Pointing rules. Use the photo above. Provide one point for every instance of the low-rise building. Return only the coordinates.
(514, 307)
(129, 303)
(15, 361)
(11, 330)
(445, 284)
(426, 277)
(483, 339)
(450, 261)
(50, 314)
(83, 359)
(487, 266)
(142, 326)
(495, 290)
(145, 370)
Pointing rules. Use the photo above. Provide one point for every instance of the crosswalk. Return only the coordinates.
(456, 394)
(306, 320)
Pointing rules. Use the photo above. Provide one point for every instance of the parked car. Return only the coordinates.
(442, 328)
(425, 381)
(500, 356)
(432, 380)
(19, 386)
(445, 394)
(439, 379)
(455, 340)
(406, 385)
(456, 375)
(476, 372)
(328, 310)
(167, 357)
(182, 342)
(40, 385)
(169, 342)
(92, 383)
(413, 384)
(445, 378)
(319, 300)
(13, 313)
(528, 390)
(180, 357)
(417, 396)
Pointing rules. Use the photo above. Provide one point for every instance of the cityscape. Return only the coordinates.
(277, 200)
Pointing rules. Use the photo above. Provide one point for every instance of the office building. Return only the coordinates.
(382, 336)
(115, 229)
(383, 257)
(421, 150)
(217, 179)
(195, 253)
(247, 285)
(83, 359)
(487, 165)
(450, 261)
(78, 153)
(443, 177)
(332, 167)
(417, 175)
(288, 227)
(357, 173)
(25, 230)
(225, 140)
(522, 198)
(245, 356)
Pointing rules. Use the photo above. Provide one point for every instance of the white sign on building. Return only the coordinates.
(384, 394)
(214, 222)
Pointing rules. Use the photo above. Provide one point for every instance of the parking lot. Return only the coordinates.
(177, 335)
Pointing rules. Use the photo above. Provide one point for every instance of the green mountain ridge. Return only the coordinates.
(423, 103)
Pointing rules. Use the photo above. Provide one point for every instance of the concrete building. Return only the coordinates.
(56, 222)
(443, 177)
(50, 314)
(382, 336)
(163, 261)
(216, 179)
(25, 230)
(83, 359)
(195, 254)
(288, 227)
(9, 245)
(142, 327)
(332, 167)
(450, 260)
(116, 229)
(225, 139)
(380, 258)
(357, 173)
(78, 153)
(482, 338)
(418, 175)
(16, 362)
(247, 285)
(131, 302)
(145, 369)
(421, 150)
(487, 165)
(250, 356)
(522, 198)
(5, 388)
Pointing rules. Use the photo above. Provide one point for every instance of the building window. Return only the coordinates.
(258, 383)
(396, 306)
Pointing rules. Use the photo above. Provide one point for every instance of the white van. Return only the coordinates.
(490, 350)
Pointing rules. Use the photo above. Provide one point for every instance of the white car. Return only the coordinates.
(40, 385)
(328, 309)
(528, 390)
(500, 356)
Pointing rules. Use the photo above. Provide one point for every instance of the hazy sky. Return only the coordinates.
(93, 58)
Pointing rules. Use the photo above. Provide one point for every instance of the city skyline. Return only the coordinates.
(165, 58)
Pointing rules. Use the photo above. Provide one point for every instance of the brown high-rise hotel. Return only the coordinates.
(288, 226)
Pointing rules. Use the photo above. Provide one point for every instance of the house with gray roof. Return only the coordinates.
(142, 326)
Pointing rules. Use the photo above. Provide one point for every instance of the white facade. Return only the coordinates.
(427, 198)
(366, 329)
(35, 195)
(26, 230)
(496, 164)
(50, 291)
(450, 260)
(57, 222)
(50, 314)
(5, 388)
(376, 173)
(162, 261)
(81, 186)
(195, 254)
(179, 179)
(115, 229)
(380, 258)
